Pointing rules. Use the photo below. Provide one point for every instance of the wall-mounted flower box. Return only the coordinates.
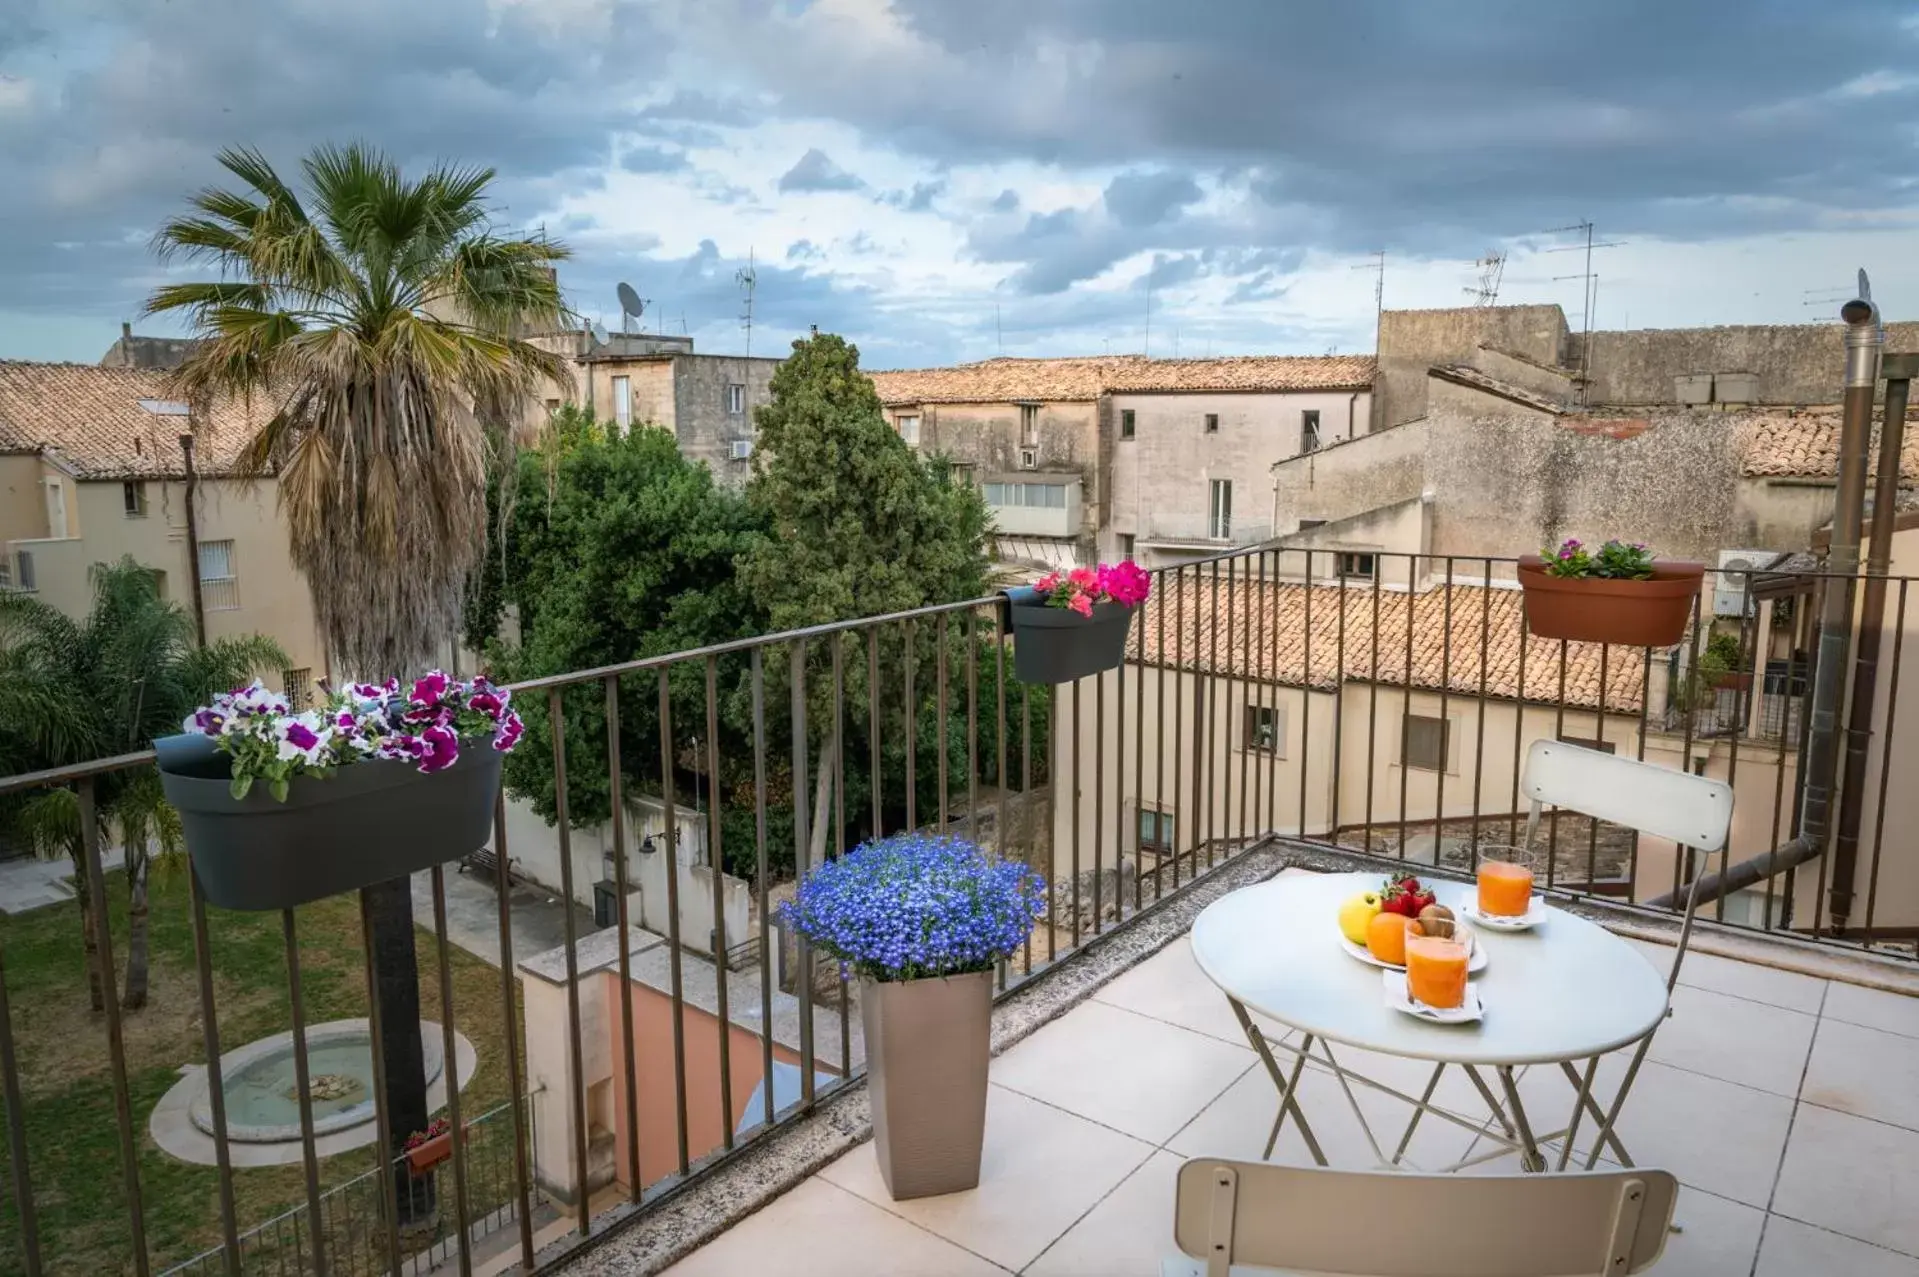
(1617, 594)
(1072, 625)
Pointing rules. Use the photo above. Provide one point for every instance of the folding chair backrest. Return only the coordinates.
(1386, 1224)
(1663, 801)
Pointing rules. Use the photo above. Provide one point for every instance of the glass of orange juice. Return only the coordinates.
(1436, 971)
(1505, 889)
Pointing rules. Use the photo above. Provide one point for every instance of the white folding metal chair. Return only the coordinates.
(1234, 1218)
(1692, 811)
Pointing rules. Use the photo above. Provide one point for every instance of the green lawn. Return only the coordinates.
(66, 1077)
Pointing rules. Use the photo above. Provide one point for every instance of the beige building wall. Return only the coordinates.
(1887, 875)
(1163, 476)
(266, 596)
(986, 439)
(1338, 766)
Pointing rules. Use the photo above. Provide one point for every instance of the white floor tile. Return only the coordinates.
(1788, 989)
(1735, 1040)
(1126, 1235)
(1852, 1176)
(1874, 1008)
(1716, 1238)
(1865, 1072)
(1170, 986)
(1792, 1249)
(1042, 1169)
(1137, 1075)
(818, 1230)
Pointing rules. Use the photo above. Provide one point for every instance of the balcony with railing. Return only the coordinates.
(637, 1103)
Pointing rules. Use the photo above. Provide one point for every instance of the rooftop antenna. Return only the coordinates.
(1378, 266)
(1588, 297)
(748, 278)
(1492, 267)
(682, 322)
(632, 306)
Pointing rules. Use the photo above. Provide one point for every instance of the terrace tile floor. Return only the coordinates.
(1787, 1105)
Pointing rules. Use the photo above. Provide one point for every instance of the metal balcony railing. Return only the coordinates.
(1263, 696)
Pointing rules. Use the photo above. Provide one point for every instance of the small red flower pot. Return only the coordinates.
(1651, 613)
(428, 1154)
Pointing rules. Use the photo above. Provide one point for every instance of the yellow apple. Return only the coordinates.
(1356, 915)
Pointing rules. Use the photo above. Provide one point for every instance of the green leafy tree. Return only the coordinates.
(631, 555)
(380, 316)
(862, 526)
(71, 691)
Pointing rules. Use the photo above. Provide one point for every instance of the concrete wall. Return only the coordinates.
(1336, 483)
(1411, 341)
(1795, 363)
(986, 437)
(1555, 383)
(1895, 866)
(272, 598)
(1403, 528)
(1162, 477)
(706, 430)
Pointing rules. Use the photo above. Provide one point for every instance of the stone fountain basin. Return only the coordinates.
(261, 1102)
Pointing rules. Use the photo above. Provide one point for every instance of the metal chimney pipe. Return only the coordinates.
(1865, 346)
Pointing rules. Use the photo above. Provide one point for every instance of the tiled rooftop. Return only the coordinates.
(1213, 626)
(1004, 380)
(1783, 1101)
(91, 418)
(1804, 443)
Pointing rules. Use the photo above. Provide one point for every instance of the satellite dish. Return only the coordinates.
(630, 303)
(598, 331)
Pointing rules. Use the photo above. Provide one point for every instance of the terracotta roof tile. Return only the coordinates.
(1055, 380)
(91, 418)
(1260, 631)
(1804, 443)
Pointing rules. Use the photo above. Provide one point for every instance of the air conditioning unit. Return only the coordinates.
(1029, 458)
(742, 449)
(1730, 585)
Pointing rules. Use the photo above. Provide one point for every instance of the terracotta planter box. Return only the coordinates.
(1058, 645)
(366, 823)
(927, 1046)
(430, 1154)
(1650, 613)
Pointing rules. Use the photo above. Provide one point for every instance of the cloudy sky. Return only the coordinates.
(946, 179)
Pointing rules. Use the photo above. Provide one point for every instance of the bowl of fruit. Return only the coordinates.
(1374, 925)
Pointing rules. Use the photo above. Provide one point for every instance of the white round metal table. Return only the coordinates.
(1566, 991)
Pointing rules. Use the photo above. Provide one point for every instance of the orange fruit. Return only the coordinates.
(1386, 937)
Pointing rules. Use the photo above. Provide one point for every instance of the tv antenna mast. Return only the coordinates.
(632, 306)
(1492, 267)
(1589, 296)
(1378, 266)
(748, 277)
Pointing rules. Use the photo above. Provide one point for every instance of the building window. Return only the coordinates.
(56, 510)
(1126, 423)
(1212, 423)
(299, 688)
(1309, 430)
(1307, 525)
(1358, 565)
(1155, 831)
(1219, 519)
(1426, 743)
(1029, 424)
(26, 582)
(623, 402)
(219, 584)
(1032, 496)
(736, 400)
(1603, 746)
(133, 499)
(552, 406)
(1126, 542)
(909, 425)
(1263, 728)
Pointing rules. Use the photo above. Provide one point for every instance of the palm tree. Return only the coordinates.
(382, 321)
(109, 684)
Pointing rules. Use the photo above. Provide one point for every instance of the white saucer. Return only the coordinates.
(1535, 914)
(1475, 959)
(1471, 1011)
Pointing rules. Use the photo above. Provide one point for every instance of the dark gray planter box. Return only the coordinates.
(365, 824)
(1058, 645)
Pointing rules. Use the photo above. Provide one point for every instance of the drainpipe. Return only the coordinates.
(193, 542)
(1865, 668)
(1865, 343)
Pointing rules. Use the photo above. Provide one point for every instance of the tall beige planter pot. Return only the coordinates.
(927, 1046)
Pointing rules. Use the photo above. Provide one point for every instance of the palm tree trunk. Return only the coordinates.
(89, 942)
(135, 995)
(396, 977)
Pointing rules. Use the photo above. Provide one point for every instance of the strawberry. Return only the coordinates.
(1404, 895)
